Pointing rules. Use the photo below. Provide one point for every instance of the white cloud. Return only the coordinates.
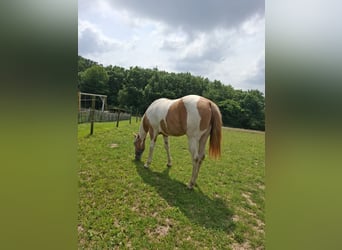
(93, 41)
(229, 49)
(193, 15)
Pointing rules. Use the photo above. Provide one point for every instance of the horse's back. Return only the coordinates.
(189, 115)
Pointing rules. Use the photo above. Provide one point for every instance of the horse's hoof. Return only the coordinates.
(190, 187)
(169, 165)
(146, 166)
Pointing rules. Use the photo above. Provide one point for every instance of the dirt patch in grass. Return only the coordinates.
(161, 230)
(242, 246)
(259, 225)
(248, 199)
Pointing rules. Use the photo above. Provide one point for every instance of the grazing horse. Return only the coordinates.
(191, 115)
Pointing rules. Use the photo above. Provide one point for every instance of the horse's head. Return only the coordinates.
(139, 145)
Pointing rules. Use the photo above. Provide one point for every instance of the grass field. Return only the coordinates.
(122, 205)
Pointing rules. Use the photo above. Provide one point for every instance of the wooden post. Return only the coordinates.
(117, 121)
(103, 99)
(136, 116)
(79, 106)
(130, 117)
(92, 115)
(79, 101)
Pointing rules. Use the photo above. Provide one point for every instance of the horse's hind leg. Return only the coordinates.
(198, 154)
(202, 143)
(193, 147)
(167, 148)
(195, 170)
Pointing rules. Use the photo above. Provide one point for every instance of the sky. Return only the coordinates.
(217, 39)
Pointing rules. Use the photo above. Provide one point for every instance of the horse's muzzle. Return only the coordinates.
(138, 155)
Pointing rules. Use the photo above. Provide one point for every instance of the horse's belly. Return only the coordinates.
(172, 129)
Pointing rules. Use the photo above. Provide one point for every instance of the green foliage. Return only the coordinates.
(254, 110)
(84, 63)
(231, 112)
(135, 88)
(122, 205)
(116, 77)
(94, 80)
(131, 96)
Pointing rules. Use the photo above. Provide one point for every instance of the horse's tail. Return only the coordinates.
(215, 133)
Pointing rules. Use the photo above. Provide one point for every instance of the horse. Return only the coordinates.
(192, 115)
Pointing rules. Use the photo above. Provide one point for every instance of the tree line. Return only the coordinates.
(136, 88)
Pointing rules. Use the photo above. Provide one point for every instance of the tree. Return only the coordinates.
(131, 97)
(116, 79)
(231, 111)
(94, 80)
(84, 63)
(253, 110)
(216, 91)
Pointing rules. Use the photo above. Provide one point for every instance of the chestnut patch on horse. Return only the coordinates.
(175, 119)
(146, 123)
(147, 126)
(204, 109)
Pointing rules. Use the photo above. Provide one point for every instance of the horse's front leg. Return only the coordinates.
(167, 148)
(150, 153)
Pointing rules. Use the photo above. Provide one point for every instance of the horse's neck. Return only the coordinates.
(142, 132)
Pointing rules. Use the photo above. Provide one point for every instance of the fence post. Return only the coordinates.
(117, 122)
(92, 112)
(79, 106)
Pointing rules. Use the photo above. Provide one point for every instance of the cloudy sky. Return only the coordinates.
(218, 39)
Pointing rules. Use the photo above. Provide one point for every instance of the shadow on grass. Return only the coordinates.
(194, 204)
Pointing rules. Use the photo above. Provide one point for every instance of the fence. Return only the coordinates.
(84, 116)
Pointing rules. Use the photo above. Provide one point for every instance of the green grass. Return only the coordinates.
(122, 205)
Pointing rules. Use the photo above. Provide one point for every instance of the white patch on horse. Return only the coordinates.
(193, 118)
(157, 110)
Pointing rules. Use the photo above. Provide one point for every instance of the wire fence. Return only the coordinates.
(84, 115)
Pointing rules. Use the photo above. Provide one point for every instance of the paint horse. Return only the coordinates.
(192, 115)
